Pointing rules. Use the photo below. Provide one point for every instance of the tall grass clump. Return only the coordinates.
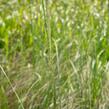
(54, 54)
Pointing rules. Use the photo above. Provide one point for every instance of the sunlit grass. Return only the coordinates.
(54, 54)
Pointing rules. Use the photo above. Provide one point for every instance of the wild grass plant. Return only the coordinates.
(54, 54)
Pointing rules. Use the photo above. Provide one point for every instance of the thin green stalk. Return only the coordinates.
(49, 28)
(46, 14)
(21, 104)
(58, 70)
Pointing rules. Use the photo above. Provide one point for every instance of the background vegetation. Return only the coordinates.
(54, 54)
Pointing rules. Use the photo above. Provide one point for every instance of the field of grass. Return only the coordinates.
(54, 54)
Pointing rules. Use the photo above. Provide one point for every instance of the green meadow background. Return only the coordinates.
(54, 54)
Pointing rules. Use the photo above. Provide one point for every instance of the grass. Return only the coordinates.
(54, 54)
